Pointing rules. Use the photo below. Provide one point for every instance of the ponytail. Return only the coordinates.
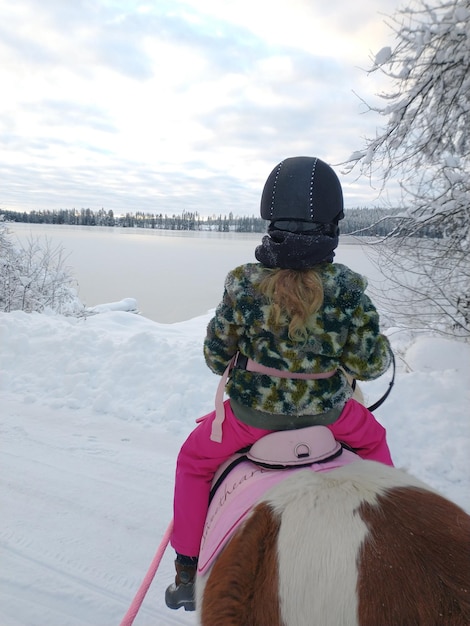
(295, 294)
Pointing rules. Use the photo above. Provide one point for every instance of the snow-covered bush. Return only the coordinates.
(35, 278)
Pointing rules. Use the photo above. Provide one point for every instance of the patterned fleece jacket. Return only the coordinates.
(344, 333)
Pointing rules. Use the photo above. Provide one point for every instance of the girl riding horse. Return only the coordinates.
(287, 332)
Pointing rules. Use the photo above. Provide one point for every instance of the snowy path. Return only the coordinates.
(84, 505)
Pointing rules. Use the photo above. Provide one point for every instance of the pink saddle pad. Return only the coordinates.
(239, 491)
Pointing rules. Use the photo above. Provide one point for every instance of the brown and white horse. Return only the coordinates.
(361, 545)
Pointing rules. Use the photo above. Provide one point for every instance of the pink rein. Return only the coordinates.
(129, 617)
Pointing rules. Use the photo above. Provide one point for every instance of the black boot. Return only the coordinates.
(181, 592)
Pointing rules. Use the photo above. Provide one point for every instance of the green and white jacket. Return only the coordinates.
(344, 333)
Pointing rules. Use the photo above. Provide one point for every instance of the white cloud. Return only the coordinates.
(171, 105)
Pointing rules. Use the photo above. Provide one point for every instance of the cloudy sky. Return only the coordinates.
(172, 105)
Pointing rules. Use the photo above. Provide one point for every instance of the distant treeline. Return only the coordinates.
(360, 221)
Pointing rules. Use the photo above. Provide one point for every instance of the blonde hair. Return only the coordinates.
(296, 294)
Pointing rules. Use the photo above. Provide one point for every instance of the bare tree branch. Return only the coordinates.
(425, 147)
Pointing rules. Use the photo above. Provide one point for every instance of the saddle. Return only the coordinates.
(242, 480)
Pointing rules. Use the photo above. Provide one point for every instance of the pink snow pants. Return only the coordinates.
(199, 459)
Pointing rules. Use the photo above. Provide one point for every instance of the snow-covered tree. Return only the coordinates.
(35, 278)
(425, 148)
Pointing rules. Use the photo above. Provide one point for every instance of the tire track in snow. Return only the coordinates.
(72, 554)
(72, 594)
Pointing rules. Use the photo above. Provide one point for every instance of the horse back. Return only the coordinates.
(361, 545)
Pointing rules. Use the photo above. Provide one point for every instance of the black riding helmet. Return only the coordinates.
(302, 194)
(303, 202)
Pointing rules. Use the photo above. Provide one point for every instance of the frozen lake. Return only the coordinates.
(173, 275)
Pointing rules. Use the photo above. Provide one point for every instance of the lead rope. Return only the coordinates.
(129, 617)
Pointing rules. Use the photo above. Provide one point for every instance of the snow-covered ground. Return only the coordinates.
(93, 412)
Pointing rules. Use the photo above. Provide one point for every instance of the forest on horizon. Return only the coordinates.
(360, 221)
